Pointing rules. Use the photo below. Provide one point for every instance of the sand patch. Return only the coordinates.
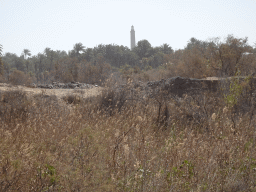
(85, 93)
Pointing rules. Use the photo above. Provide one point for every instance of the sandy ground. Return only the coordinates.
(58, 92)
(221, 78)
(212, 78)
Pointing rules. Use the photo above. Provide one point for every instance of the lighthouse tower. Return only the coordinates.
(132, 38)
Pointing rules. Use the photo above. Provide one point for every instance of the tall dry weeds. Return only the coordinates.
(82, 147)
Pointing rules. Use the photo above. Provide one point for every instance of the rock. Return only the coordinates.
(71, 85)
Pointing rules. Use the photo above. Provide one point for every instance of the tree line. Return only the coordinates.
(214, 57)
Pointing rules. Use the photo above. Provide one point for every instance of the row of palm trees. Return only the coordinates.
(78, 47)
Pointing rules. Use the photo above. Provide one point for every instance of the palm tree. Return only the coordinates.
(26, 52)
(50, 55)
(47, 51)
(1, 49)
(78, 47)
(1, 63)
(166, 49)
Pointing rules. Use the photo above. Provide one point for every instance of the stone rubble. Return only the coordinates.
(70, 85)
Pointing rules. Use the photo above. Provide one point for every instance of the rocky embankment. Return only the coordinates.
(181, 85)
(71, 85)
(175, 85)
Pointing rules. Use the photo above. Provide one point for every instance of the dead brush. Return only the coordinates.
(79, 91)
(84, 148)
(115, 100)
(14, 104)
(72, 99)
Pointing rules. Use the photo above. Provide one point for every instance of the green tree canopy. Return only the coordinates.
(166, 49)
(143, 48)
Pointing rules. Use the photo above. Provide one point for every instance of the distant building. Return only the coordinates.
(132, 38)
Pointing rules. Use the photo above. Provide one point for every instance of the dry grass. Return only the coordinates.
(189, 144)
(60, 93)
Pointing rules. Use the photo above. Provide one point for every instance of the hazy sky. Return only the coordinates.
(59, 24)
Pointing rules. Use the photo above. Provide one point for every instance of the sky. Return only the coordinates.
(59, 24)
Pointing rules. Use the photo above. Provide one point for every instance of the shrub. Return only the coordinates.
(20, 78)
(14, 105)
(112, 100)
(72, 99)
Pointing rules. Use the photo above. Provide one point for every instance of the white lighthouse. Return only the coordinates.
(132, 38)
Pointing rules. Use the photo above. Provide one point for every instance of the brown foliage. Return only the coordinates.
(213, 58)
(81, 148)
(96, 73)
(71, 69)
(226, 57)
(20, 78)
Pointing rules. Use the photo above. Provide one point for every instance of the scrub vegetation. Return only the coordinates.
(123, 140)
